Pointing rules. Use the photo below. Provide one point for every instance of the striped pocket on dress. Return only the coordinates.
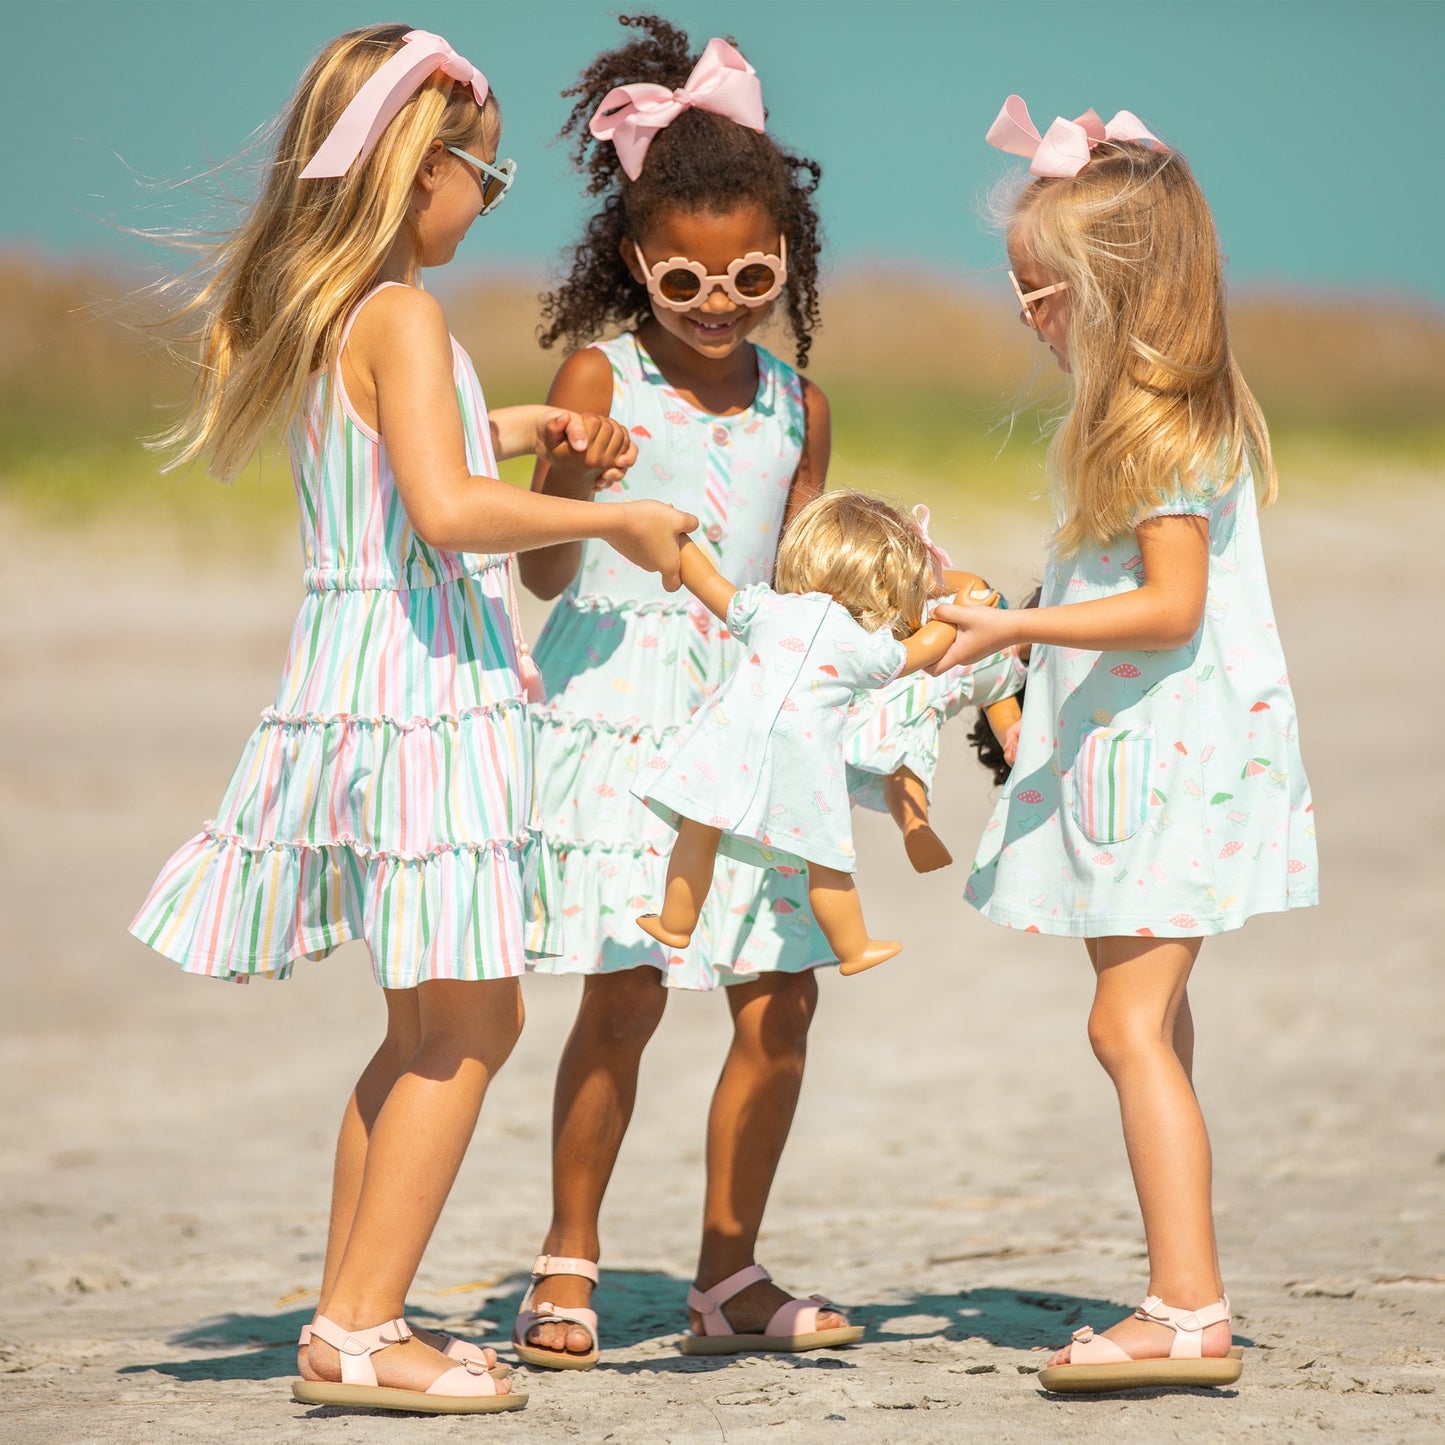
(1111, 782)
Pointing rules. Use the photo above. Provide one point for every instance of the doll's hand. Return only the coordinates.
(585, 444)
(982, 631)
(650, 535)
(1011, 744)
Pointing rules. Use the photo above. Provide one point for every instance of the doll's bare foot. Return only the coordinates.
(925, 849)
(878, 950)
(651, 923)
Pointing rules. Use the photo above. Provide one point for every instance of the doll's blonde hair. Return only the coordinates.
(863, 553)
(1158, 398)
(265, 306)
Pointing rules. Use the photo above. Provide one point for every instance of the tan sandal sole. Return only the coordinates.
(554, 1359)
(379, 1397)
(769, 1344)
(1143, 1375)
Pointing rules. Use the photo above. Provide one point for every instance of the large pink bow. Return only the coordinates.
(375, 105)
(1063, 149)
(721, 82)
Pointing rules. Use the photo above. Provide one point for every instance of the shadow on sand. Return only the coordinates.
(637, 1306)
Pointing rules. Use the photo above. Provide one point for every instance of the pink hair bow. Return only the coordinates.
(941, 559)
(721, 82)
(374, 106)
(1063, 149)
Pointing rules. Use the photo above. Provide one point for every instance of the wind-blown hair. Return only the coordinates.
(1158, 399)
(866, 555)
(265, 306)
(701, 163)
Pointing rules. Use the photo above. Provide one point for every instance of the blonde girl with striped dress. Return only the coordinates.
(386, 795)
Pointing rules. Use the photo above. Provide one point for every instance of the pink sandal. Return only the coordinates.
(546, 1313)
(1097, 1364)
(466, 1390)
(454, 1349)
(793, 1327)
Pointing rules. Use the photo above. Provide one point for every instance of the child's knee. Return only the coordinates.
(624, 1009)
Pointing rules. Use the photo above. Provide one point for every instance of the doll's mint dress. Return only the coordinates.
(763, 758)
(1157, 793)
(626, 664)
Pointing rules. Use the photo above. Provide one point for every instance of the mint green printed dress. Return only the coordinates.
(1157, 793)
(763, 759)
(626, 664)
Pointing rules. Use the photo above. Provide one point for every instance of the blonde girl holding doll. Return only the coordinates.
(1158, 797)
(705, 225)
(386, 795)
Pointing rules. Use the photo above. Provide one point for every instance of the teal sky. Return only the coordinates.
(1309, 124)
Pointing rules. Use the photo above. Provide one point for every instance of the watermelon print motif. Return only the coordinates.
(1156, 794)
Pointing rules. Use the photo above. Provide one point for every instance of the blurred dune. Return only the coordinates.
(80, 379)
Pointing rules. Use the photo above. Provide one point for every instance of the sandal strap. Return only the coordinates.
(548, 1264)
(356, 1347)
(1188, 1325)
(709, 1302)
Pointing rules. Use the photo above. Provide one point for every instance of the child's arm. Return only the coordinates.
(401, 350)
(812, 470)
(705, 582)
(1163, 612)
(583, 384)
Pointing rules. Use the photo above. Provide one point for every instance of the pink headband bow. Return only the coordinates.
(941, 559)
(721, 82)
(375, 105)
(1063, 149)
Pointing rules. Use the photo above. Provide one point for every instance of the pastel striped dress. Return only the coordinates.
(626, 664)
(387, 793)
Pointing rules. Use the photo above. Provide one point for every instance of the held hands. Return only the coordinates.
(650, 535)
(982, 630)
(586, 446)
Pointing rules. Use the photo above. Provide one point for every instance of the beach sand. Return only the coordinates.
(955, 1177)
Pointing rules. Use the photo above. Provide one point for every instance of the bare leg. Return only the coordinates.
(752, 1112)
(907, 801)
(596, 1089)
(834, 901)
(465, 1031)
(387, 1065)
(689, 876)
(1142, 1034)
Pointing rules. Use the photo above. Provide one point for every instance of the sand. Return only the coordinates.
(956, 1175)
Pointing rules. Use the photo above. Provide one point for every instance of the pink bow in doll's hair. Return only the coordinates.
(1063, 149)
(941, 559)
(721, 82)
(374, 106)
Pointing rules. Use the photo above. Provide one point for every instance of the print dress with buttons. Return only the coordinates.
(1157, 793)
(627, 663)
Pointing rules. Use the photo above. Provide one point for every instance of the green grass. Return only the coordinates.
(60, 471)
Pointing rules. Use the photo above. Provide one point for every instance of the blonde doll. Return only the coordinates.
(759, 773)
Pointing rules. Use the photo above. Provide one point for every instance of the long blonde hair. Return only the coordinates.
(865, 555)
(265, 306)
(1158, 399)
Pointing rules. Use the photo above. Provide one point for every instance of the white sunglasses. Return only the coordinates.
(496, 180)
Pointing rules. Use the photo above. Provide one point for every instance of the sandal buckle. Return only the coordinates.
(1083, 1335)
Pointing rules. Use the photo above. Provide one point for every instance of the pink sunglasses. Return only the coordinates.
(1026, 298)
(683, 285)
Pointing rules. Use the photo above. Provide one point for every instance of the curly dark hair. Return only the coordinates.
(700, 163)
(988, 747)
